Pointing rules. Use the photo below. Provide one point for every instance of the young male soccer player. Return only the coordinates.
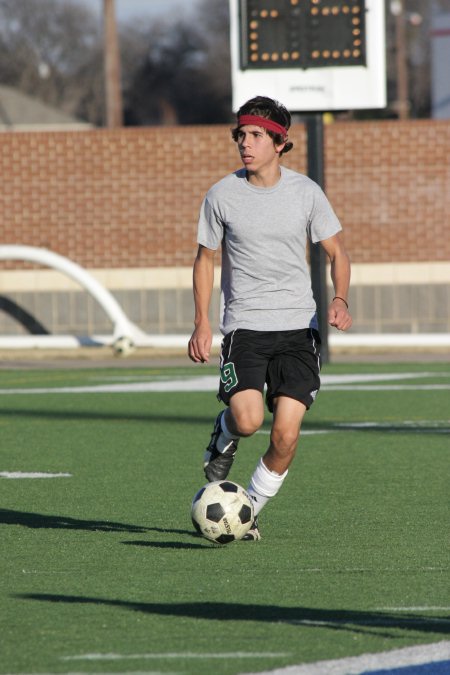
(262, 216)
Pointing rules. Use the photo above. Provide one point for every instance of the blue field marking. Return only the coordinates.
(435, 668)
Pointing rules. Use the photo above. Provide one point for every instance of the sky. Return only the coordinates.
(126, 9)
(130, 9)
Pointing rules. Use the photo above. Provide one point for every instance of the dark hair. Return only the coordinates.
(272, 110)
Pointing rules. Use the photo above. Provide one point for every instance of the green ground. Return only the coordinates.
(101, 571)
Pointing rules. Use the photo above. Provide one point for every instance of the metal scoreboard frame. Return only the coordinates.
(312, 55)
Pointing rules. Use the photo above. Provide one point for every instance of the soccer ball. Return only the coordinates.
(123, 346)
(222, 511)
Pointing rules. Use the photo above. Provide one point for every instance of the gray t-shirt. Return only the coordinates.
(266, 283)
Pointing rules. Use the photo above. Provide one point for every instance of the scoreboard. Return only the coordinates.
(310, 54)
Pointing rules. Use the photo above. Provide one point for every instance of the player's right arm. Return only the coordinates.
(203, 281)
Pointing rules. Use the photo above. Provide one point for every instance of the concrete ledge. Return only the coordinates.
(363, 274)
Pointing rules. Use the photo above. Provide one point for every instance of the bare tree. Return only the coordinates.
(415, 20)
(184, 74)
(51, 49)
(171, 72)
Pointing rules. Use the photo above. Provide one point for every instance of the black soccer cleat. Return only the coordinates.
(253, 534)
(217, 465)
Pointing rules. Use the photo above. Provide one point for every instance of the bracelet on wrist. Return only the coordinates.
(338, 297)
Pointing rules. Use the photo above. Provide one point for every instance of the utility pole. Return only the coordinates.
(402, 103)
(114, 112)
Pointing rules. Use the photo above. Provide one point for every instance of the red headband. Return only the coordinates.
(262, 122)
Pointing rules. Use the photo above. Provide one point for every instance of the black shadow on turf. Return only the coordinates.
(345, 620)
(167, 544)
(38, 520)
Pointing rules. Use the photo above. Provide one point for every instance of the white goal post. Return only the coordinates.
(124, 331)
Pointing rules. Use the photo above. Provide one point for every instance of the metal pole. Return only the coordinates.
(114, 114)
(316, 171)
(402, 103)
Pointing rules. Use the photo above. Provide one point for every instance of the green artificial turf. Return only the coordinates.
(101, 571)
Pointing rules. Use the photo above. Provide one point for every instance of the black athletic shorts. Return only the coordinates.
(287, 362)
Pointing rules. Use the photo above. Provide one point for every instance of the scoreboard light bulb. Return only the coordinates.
(295, 34)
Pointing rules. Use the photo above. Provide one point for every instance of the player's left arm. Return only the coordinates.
(338, 310)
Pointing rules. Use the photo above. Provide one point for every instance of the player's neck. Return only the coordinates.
(265, 177)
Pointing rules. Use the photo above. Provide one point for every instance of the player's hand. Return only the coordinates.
(338, 315)
(200, 344)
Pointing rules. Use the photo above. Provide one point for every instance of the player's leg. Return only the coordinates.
(243, 365)
(293, 382)
(288, 416)
(272, 468)
(246, 412)
(243, 417)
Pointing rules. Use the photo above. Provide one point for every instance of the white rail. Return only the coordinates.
(125, 333)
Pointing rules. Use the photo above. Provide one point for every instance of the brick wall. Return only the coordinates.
(130, 198)
(390, 184)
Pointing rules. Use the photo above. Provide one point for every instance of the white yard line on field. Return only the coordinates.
(419, 426)
(210, 383)
(32, 474)
(176, 655)
(191, 384)
(438, 653)
(388, 387)
(306, 432)
(413, 609)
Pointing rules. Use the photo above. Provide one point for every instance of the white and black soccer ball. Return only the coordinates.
(222, 511)
(123, 346)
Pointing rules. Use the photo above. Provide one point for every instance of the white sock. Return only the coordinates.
(225, 437)
(264, 484)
